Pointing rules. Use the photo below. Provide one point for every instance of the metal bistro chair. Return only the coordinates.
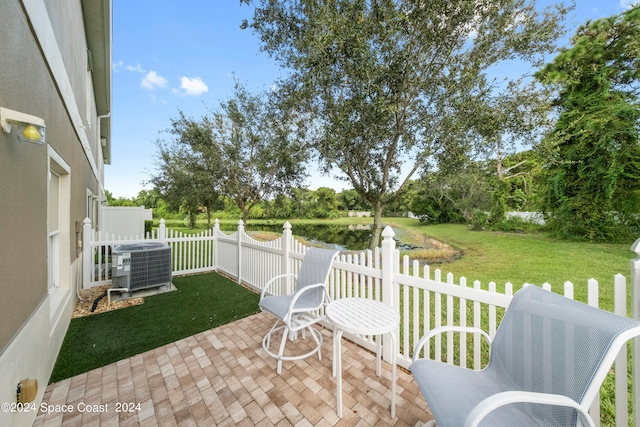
(548, 360)
(300, 310)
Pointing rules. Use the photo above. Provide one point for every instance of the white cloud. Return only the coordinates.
(626, 4)
(136, 68)
(152, 81)
(120, 65)
(193, 86)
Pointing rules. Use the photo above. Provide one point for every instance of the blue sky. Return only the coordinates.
(173, 55)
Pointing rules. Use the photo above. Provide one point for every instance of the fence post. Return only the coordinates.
(286, 262)
(240, 234)
(635, 312)
(87, 252)
(620, 308)
(214, 254)
(162, 232)
(388, 250)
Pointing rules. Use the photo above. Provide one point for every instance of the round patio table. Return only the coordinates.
(363, 316)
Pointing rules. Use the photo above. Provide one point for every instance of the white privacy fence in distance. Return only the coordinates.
(423, 298)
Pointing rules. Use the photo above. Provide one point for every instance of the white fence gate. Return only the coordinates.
(423, 298)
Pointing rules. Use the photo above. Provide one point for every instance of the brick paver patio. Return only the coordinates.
(223, 377)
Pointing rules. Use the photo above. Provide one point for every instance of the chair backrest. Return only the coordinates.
(551, 344)
(315, 268)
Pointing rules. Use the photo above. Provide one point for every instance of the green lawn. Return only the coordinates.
(201, 302)
(527, 258)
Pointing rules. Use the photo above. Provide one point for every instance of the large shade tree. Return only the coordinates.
(185, 178)
(246, 151)
(386, 80)
(261, 147)
(592, 168)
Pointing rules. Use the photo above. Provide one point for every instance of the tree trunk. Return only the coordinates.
(377, 226)
(244, 210)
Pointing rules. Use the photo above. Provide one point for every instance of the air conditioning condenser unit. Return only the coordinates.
(141, 266)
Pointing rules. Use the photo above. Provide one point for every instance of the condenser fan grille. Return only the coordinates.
(143, 265)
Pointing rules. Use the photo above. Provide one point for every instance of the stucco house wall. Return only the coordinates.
(49, 70)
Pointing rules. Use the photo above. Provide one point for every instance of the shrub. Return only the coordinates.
(148, 226)
(478, 220)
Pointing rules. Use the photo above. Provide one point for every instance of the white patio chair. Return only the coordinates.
(300, 310)
(548, 360)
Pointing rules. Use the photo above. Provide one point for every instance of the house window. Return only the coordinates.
(58, 222)
(53, 212)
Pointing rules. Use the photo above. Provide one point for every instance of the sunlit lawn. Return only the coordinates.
(528, 258)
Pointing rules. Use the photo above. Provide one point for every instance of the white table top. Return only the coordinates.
(362, 316)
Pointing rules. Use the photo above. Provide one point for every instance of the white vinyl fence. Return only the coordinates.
(423, 298)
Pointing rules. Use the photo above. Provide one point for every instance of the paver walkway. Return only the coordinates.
(223, 377)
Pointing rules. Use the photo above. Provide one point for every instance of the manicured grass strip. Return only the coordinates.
(202, 302)
(528, 258)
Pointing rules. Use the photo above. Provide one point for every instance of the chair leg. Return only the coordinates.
(285, 333)
(288, 334)
(266, 342)
(318, 339)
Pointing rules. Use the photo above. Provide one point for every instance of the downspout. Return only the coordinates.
(101, 196)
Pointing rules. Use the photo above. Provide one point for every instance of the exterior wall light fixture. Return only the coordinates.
(28, 128)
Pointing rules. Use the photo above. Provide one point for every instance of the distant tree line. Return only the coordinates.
(301, 203)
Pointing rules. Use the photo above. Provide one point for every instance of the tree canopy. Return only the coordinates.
(186, 177)
(387, 81)
(592, 172)
(245, 151)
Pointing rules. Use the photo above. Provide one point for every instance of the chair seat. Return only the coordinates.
(278, 305)
(459, 390)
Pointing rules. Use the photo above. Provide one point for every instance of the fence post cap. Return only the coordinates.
(161, 220)
(287, 225)
(388, 233)
(636, 247)
(86, 221)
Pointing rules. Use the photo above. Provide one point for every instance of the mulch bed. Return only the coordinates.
(88, 296)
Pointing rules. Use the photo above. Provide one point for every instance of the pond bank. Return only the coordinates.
(355, 237)
(425, 249)
(347, 235)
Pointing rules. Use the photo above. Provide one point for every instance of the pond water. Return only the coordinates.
(344, 237)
